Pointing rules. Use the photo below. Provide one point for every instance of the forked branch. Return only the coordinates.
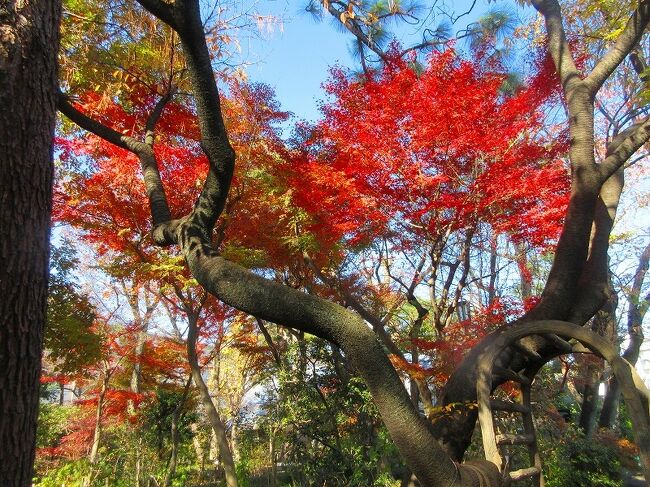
(624, 45)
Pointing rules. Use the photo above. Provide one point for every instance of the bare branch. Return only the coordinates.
(155, 115)
(91, 125)
(377, 324)
(269, 342)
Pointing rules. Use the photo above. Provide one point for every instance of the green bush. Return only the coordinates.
(582, 462)
(69, 474)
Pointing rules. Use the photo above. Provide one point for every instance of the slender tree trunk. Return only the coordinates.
(175, 436)
(29, 42)
(138, 464)
(199, 450)
(234, 440)
(589, 399)
(173, 458)
(141, 321)
(218, 427)
(97, 437)
(492, 288)
(604, 324)
(525, 284)
(274, 465)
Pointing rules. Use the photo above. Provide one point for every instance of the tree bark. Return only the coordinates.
(638, 308)
(216, 423)
(97, 437)
(175, 436)
(29, 42)
(589, 400)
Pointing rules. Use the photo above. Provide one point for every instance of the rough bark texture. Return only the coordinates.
(28, 82)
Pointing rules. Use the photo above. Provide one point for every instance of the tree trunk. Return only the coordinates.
(273, 481)
(138, 464)
(93, 456)
(29, 42)
(234, 440)
(175, 436)
(97, 437)
(199, 450)
(637, 310)
(589, 400)
(218, 427)
(173, 458)
(141, 321)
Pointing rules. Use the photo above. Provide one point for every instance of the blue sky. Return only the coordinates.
(295, 60)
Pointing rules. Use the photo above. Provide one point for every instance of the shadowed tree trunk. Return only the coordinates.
(604, 324)
(175, 436)
(28, 84)
(638, 308)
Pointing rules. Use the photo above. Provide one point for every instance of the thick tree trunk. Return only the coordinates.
(28, 83)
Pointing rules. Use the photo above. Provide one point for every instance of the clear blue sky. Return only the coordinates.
(295, 60)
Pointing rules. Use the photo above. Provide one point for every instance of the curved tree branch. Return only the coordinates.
(276, 303)
(624, 146)
(625, 43)
(144, 150)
